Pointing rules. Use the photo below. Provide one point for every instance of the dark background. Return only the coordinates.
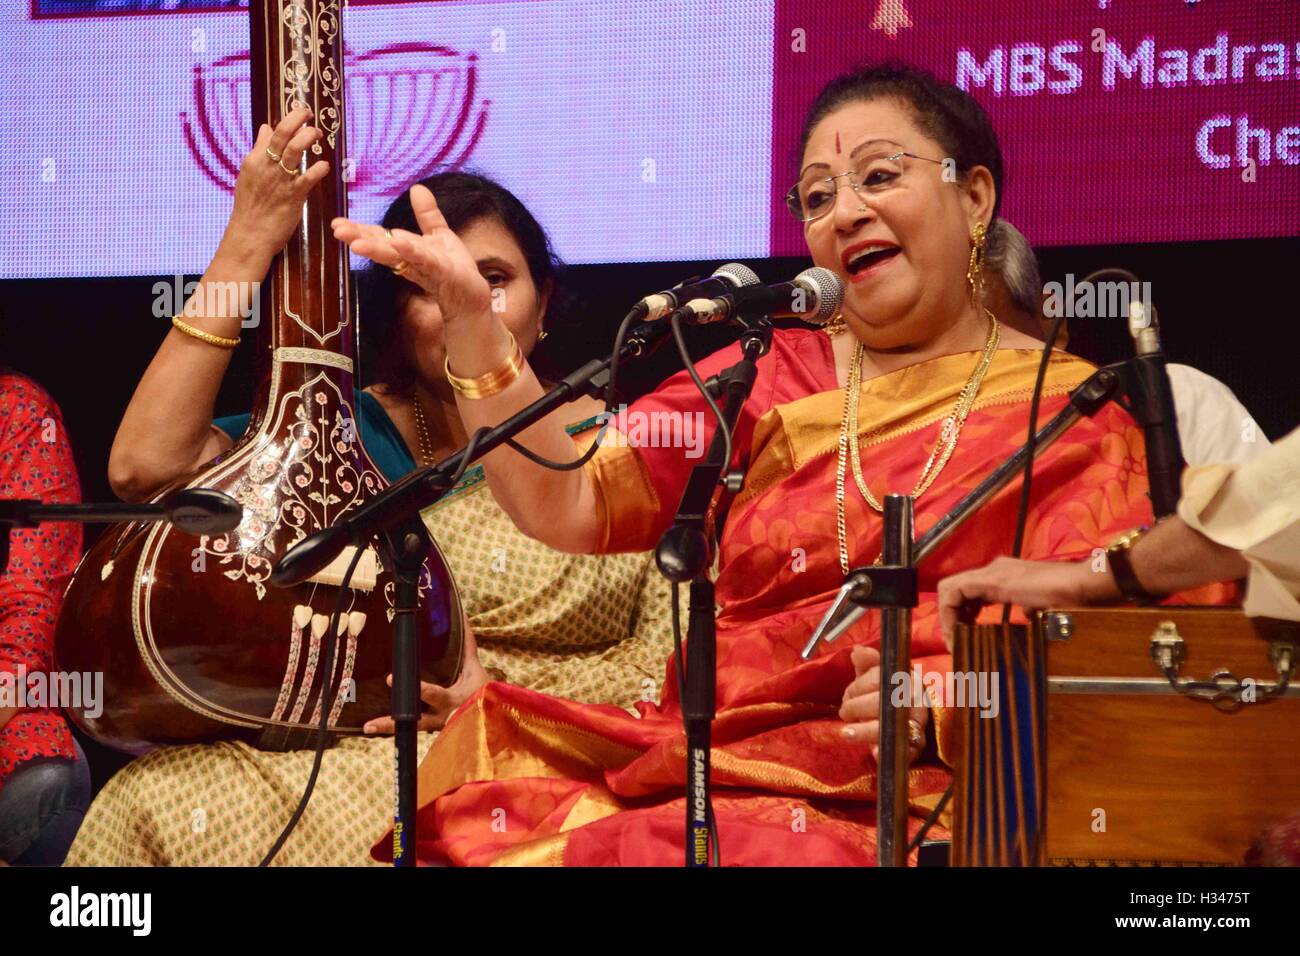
(1228, 308)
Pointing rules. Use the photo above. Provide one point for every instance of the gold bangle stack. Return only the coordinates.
(493, 382)
(220, 341)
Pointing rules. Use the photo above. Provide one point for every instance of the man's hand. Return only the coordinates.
(1031, 584)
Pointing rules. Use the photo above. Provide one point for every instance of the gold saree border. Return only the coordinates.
(896, 404)
(476, 756)
(627, 505)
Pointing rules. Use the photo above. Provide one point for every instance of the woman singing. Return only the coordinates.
(918, 390)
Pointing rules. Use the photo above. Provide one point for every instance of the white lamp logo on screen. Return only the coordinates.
(412, 108)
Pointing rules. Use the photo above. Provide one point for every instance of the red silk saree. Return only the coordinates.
(518, 777)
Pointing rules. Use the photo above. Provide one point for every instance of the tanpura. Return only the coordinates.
(193, 643)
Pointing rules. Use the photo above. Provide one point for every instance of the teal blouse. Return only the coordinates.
(378, 433)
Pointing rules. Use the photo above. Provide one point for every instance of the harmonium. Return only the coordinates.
(1152, 736)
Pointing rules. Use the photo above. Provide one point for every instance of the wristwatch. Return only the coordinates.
(1119, 560)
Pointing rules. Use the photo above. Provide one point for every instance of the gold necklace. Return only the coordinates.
(836, 325)
(422, 432)
(848, 443)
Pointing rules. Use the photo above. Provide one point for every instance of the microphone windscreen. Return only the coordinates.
(738, 273)
(828, 291)
(199, 511)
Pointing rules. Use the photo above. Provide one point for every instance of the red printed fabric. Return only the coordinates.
(35, 462)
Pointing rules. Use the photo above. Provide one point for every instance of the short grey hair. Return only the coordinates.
(1008, 253)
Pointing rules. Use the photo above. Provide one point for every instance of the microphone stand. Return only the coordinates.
(895, 658)
(193, 510)
(684, 553)
(394, 516)
(408, 545)
(892, 587)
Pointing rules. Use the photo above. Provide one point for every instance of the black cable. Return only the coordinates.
(695, 377)
(713, 834)
(322, 730)
(470, 447)
(610, 393)
(930, 820)
(1031, 444)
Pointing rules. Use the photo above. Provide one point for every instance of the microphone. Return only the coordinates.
(195, 511)
(199, 511)
(725, 279)
(1159, 419)
(814, 295)
(1151, 398)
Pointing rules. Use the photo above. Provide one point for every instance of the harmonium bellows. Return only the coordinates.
(1152, 736)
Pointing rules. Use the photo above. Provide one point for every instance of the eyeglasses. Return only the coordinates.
(875, 173)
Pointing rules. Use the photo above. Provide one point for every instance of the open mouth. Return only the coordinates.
(860, 260)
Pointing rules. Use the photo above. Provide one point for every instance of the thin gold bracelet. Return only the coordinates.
(218, 340)
(493, 382)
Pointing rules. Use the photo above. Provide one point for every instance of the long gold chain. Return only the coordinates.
(943, 448)
(422, 433)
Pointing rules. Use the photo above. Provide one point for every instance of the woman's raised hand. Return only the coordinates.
(269, 194)
(437, 261)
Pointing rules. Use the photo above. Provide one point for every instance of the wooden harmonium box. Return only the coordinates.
(1152, 736)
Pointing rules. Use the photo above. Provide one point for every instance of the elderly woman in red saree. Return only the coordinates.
(917, 389)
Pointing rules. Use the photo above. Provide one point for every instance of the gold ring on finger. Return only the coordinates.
(291, 171)
(915, 734)
(401, 267)
(275, 157)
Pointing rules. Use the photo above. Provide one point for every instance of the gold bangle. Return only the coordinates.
(493, 382)
(218, 340)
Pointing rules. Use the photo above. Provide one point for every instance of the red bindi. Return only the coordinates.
(837, 143)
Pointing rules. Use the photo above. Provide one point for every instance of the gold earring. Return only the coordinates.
(542, 334)
(975, 268)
